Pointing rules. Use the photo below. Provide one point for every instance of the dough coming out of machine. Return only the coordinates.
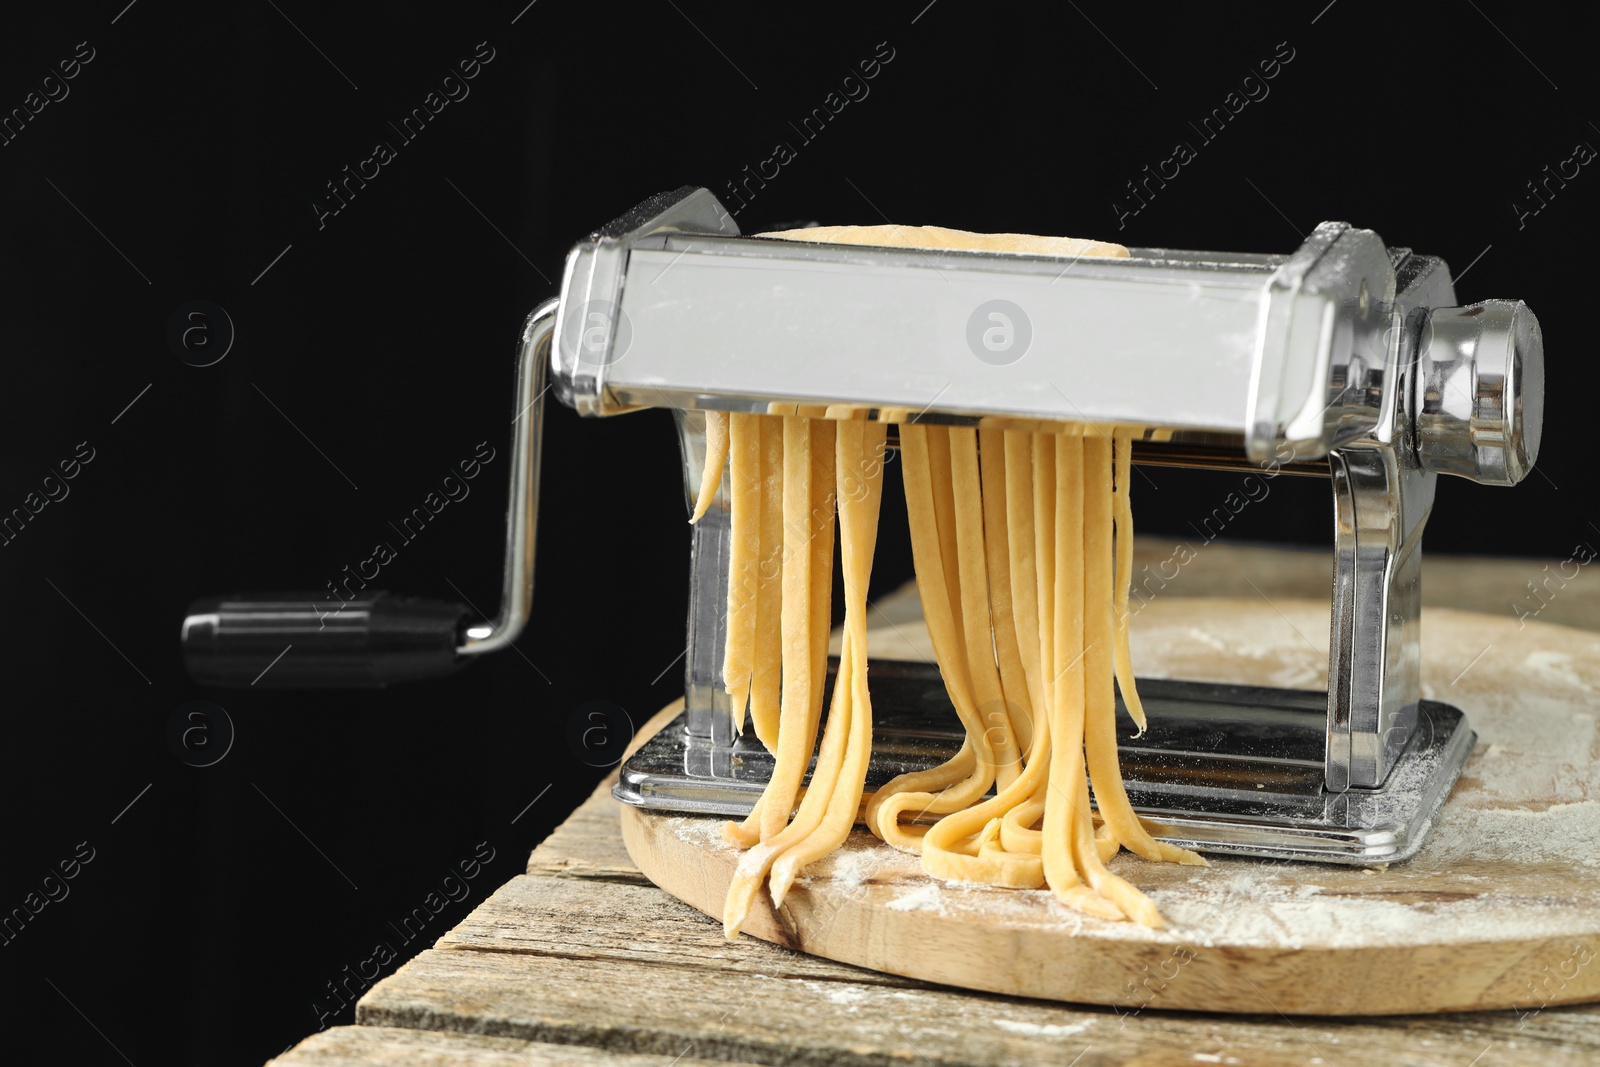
(1022, 544)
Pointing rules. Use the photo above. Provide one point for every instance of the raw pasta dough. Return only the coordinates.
(940, 237)
(1022, 541)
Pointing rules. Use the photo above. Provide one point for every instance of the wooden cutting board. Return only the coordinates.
(1500, 909)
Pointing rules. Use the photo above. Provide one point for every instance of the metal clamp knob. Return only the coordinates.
(1480, 391)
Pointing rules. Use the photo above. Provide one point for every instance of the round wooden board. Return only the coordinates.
(1500, 909)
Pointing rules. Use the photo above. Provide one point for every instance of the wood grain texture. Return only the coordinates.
(586, 844)
(1501, 910)
(580, 958)
(657, 974)
(384, 1046)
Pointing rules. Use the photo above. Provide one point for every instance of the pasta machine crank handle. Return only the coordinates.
(287, 640)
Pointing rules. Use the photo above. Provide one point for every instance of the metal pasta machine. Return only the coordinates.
(1344, 359)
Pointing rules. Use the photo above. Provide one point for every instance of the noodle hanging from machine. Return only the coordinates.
(1022, 544)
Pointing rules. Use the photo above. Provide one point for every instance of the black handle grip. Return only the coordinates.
(306, 641)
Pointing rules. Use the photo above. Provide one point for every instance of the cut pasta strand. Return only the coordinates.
(977, 625)
(797, 729)
(716, 460)
(766, 670)
(1124, 526)
(1017, 701)
(744, 559)
(823, 504)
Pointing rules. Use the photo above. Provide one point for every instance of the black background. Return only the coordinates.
(376, 352)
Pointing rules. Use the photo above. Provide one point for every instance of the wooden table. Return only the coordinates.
(582, 960)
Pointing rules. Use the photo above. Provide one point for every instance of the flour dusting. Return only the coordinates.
(838, 992)
(923, 898)
(1011, 1026)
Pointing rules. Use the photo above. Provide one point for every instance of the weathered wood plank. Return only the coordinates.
(380, 1046)
(615, 966)
(573, 919)
(720, 1012)
(588, 844)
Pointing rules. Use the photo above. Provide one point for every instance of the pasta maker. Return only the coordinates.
(1343, 359)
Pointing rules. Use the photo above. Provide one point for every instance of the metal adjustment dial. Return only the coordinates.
(1480, 383)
